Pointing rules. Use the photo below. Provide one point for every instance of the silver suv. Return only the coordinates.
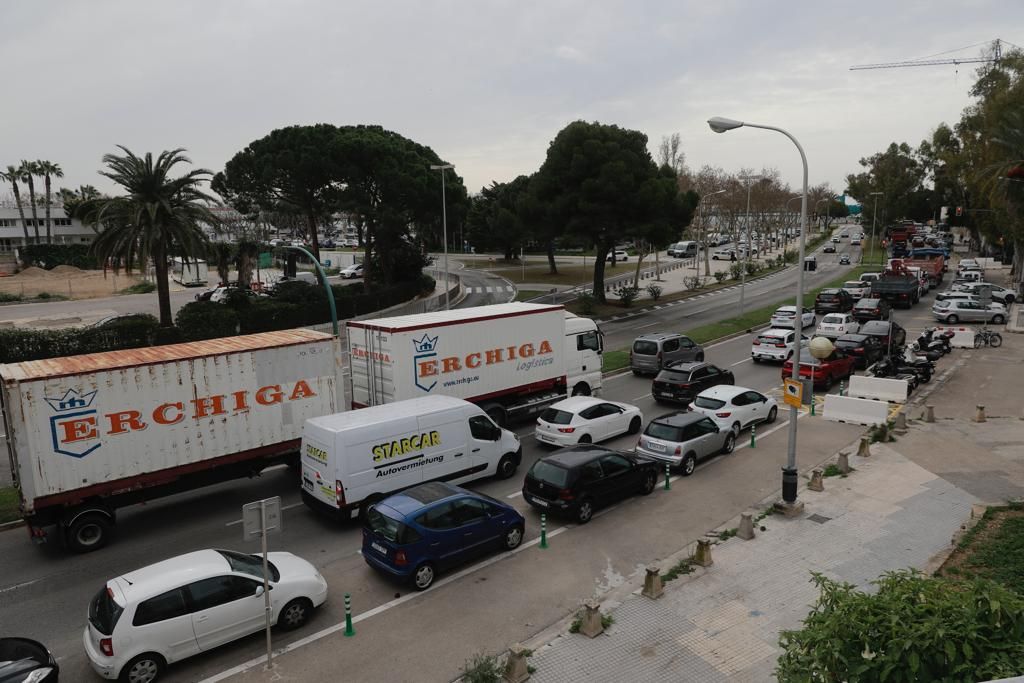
(651, 352)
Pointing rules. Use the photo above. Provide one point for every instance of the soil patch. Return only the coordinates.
(31, 273)
(992, 549)
(67, 271)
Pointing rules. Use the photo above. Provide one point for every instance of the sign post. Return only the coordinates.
(262, 518)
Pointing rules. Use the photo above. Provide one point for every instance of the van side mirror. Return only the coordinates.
(258, 592)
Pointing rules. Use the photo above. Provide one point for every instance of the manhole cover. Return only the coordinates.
(820, 519)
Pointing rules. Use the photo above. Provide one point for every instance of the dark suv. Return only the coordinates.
(871, 309)
(833, 301)
(682, 381)
(575, 481)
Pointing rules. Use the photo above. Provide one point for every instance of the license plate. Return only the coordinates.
(379, 548)
(657, 447)
(663, 393)
(542, 503)
(307, 483)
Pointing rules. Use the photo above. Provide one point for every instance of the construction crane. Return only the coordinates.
(930, 61)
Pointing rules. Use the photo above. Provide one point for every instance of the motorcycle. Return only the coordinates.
(929, 342)
(885, 367)
(913, 352)
(920, 366)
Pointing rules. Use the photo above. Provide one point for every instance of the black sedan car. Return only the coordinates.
(865, 349)
(889, 334)
(871, 309)
(681, 381)
(23, 660)
(576, 481)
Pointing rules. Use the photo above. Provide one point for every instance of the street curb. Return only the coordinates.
(7, 526)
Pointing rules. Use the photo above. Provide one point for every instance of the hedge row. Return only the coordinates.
(18, 345)
(50, 256)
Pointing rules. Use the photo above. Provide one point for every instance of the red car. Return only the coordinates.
(826, 372)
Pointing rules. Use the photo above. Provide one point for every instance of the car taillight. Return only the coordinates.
(679, 450)
(400, 558)
(722, 414)
(107, 646)
(683, 386)
(757, 342)
(339, 493)
(876, 311)
(858, 351)
(780, 346)
(565, 494)
(567, 430)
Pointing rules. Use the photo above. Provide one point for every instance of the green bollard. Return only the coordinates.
(842, 387)
(349, 631)
(753, 436)
(543, 531)
(812, 403)
(668, 473)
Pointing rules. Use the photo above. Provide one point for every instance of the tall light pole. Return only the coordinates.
(789, 472)
(444, 225)
(746, 252)
(874, 216)
(704, 233)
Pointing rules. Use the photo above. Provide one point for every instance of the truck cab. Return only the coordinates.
(584, 345)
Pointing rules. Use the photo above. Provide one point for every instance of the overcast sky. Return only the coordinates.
(486, 84)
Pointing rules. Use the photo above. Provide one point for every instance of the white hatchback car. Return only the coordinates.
(785, 316)
(586, 419)
(858, 289)
(151, 617)
(837, 324)
(735, 408)
(775, 344)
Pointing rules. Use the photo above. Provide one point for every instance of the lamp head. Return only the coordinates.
(720, 124)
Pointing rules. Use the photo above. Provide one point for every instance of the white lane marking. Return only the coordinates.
(647, 325)
(647, 395)
(18, 585)
(770, 431)
(283, 508)
(379, 609)
(740, 362)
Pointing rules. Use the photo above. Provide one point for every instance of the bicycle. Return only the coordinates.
(987, 337)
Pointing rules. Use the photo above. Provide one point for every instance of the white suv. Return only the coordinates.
(148, 618)
(775, 344)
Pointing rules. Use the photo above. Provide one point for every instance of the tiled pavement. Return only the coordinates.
(722, 624)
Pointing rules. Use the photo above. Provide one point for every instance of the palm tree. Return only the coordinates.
(158, 215)
(49, 170)
(29, 170)
(13, 175)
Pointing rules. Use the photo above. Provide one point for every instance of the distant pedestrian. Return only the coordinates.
(732, 255)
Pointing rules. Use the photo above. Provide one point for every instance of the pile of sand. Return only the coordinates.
(32, 273)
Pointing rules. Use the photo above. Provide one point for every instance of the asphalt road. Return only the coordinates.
(45, 592)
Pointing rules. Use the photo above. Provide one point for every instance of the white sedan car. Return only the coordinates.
(140, 622)
(837, 324)
(353, 271)
(586, 419)
(735, 408)
(785, 316)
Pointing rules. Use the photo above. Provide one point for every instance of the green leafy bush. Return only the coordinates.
(482, 669)
(206, 320)
(914, 628)
(753, 267)
(654, 291)
(140, 288)
(587, 303)
(627, 294)
(50, 256)
(5, 297)
(132, 332)
(720, 276)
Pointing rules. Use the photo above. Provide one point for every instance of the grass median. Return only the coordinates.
(9, 504)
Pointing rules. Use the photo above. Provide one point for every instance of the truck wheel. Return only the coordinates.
(506, 466)
(581, 389)
(88, 532)
(367, 503)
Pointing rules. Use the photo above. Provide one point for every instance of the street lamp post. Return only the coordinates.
(746, 252)
(444, 227)
(704, 234)
(789, 472)
(874, 216)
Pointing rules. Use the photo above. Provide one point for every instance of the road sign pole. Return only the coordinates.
(266, 580)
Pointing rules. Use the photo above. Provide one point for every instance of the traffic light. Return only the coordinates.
(959, 211)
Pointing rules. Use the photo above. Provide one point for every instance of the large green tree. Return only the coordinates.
(601, 183)
(157, 215)
(13, 175)
(495, 221)
(49, 171)
(899, 175)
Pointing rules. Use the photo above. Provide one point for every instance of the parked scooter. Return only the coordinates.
(920, 366)
(929, 341)
(914, 351)
(886, 368)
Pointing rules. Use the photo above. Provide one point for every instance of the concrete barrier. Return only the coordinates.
(860, 411)
(878, 388)
(964, 337)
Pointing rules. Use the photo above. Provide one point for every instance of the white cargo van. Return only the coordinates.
(355, 458)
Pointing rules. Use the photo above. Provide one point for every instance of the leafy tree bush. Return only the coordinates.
(735, 269)
(915, 628)
(140, 288)
(753, 267)
(206, 320)
(50, 256)
(693, 282)
(587, 302)
(654, 291)
(18, 345)
(482, 669)
(627, 295)
(720, 276)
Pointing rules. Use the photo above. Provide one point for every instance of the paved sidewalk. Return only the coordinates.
(722, 623)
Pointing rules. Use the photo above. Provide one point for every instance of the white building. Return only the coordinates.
(63, 230)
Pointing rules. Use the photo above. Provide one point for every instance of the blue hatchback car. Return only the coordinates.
(414, 534)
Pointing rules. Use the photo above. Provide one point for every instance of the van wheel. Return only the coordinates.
(581, 389)
(295, 614)
(144, 668)
(634, 425)
(506, 466)
(89, 532)
(423, 577)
